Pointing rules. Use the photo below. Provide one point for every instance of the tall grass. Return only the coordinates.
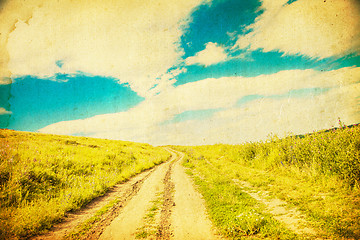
(319, 173)
(235, 213)
(44, 176)
(333, 152)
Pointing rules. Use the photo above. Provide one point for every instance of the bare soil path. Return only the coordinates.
(183, 214)
(132, 215)
(290, 216)
(165, 195)
(189, 215)
(123, 191)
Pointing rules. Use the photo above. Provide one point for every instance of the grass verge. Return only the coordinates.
(318, 173)
(44, 176)
(151, 220)
(234, 212)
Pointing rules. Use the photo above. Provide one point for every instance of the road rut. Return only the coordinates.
(160, 203)
(182, 216)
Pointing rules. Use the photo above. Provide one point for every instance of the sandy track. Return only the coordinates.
(183, 214)
(123, 191)
(189, 218)
(131, 217)
(289, 216)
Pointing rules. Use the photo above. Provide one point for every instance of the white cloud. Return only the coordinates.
(165, 81)
(212, 54)
(134, 41)
(253, 121)
(315, 28)
(10, 12)
(3, 111)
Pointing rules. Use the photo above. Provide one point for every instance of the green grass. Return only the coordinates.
(234, 212)
(44, 176)
(318, 173)
(151, 228)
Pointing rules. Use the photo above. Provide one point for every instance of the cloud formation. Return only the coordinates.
(314, 28)
(254, 121)
(128, 39)
(212, 54)
(139, 42)
(11, 12)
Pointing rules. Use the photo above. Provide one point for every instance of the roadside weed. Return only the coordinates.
(318, 173)
(45, 176)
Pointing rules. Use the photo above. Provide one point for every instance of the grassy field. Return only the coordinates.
(318, 173)
(44, 176)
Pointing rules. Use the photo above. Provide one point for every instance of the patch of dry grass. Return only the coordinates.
(44, 176)
(318, 173)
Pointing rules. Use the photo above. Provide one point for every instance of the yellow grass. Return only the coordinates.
(44, 176)
(318, 173)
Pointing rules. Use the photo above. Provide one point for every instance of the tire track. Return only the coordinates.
(123, 192)
(164, 231)
(106, 219)
(180, 212)
(127, 223)
(289, 216)
(189, 217)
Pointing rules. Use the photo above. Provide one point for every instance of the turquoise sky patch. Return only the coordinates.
(36, 103)
(214, 23)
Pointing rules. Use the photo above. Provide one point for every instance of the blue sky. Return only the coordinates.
(41, 102)
(201, 72)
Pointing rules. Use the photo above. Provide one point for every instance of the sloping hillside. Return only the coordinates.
(44, 176)
(308, 184)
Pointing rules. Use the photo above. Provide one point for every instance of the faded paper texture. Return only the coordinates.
(179, 72)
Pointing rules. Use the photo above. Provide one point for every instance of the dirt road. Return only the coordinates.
(189, 220)
(182, 215)
(161, 203)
